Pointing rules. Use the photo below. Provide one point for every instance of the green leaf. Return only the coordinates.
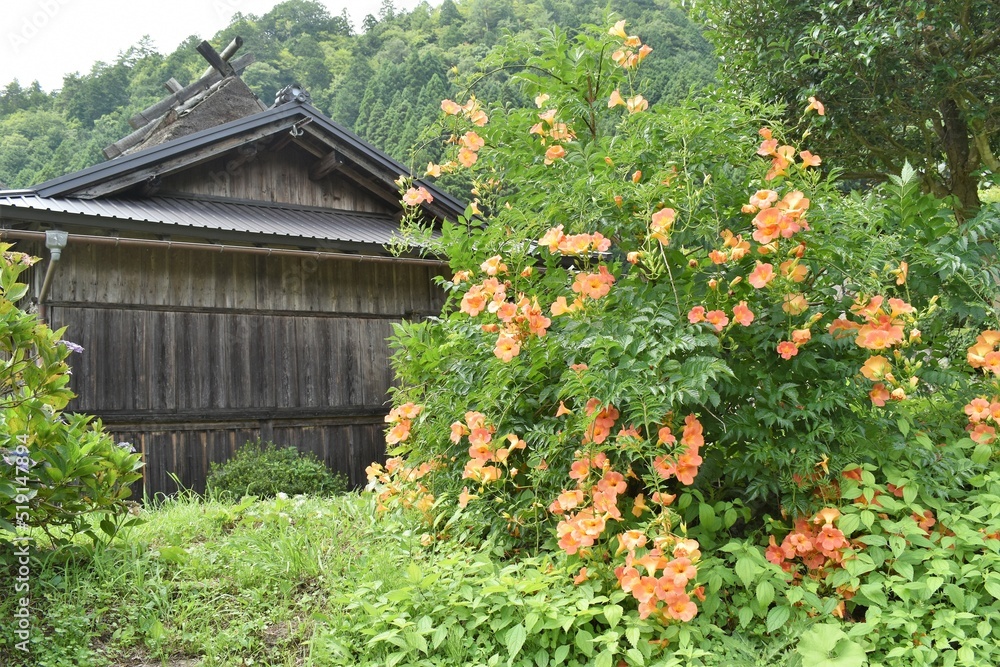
(515, 639)
(173, 554)
(848, 523)
(585, 642)
(632, 635)
(777, 617)
(613, 614)
(707, 517)
(904, 426)
(530, 621)
(897, 544)
(746, 570)
(560, 655)
(604, 659)
(108, 527)
(635, 655)
(992, 584)
(417, 641)
(826, 645)
(981, 454)
(765, 593)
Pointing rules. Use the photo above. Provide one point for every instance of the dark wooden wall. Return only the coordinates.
(276, 177)
(190, 353)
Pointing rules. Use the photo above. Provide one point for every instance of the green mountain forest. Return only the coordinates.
(385, 82)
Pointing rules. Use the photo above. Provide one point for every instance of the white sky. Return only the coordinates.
(45, 39)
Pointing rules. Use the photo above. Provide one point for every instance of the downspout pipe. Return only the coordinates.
(55, 241)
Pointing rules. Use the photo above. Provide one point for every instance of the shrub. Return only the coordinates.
(667, 324)
(59, 473)
(264, 470)
(464, 606)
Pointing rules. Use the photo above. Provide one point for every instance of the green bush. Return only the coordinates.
(59, 473)
(264, 470)
(656, 342)
(464, 606)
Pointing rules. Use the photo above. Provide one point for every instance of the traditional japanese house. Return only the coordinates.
(226, 274)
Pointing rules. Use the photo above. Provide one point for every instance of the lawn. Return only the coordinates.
(229, 584)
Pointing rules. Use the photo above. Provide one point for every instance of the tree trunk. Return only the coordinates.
(955, 135)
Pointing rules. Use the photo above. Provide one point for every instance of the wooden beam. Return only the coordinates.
(361, 165)
(227, 53)
(327, 165)
(244, 154)
(215, 60)
(361, 171)
(309, 148)
(151, 113)
(133, 139)
(389, 195)
(173, 85)
(184, 161)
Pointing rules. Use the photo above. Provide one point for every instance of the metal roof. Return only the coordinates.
(273, 120)
(201, 215)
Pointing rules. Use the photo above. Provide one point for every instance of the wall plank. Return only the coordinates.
(275, 177)
(201, 351)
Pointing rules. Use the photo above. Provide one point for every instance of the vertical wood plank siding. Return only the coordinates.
(275, 177)
(189, 353)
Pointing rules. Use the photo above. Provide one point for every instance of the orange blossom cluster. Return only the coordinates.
(881, 328)
(469, 143)
(782, 156)
(666, 596)
(551, 132)
(984, 354)
(400, 484)
(483, 451)
(625, 56)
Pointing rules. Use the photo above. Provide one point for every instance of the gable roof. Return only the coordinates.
(367, 164)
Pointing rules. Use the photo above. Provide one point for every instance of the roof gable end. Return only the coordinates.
(333, 148)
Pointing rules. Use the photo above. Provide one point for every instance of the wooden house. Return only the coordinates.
(228, 280)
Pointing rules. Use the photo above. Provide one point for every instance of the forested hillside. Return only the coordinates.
(385, 82)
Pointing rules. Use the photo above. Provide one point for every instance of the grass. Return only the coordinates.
(228, 584)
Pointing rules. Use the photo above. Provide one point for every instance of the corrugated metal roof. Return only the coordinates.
(208, 214)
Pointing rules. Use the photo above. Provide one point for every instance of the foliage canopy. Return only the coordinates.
(669, 336)
(907, 80)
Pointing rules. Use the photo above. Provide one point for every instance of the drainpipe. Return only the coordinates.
(55, 241)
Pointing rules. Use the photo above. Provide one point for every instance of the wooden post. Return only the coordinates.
(153, 112)
(226, 54)
(215, 60)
